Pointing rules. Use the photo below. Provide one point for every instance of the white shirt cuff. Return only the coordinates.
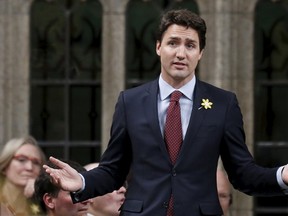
(280, 180)
(83, 185)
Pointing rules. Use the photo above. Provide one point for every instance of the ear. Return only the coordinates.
(201, 53)
(49, 201)
(158, 47)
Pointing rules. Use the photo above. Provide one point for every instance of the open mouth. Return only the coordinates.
(179, 65)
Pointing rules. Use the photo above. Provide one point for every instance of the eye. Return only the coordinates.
(190, 46)
(24, 159)
(172, 43)
(36, 162)
(21, 159)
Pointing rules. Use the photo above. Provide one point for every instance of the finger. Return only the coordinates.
(57, 162)
(54, 176)
(47, 168)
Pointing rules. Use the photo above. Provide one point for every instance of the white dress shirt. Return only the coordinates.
(186, 102)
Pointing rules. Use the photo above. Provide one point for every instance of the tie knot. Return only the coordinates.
(175, 96)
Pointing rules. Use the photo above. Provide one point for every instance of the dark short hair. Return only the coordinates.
(186, 18)
(43, 183)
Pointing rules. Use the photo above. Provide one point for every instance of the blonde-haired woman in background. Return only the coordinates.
(21, 160)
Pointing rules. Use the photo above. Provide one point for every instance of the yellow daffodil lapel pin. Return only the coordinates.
(206, 104)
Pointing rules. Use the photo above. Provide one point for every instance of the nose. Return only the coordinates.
(29, 165)
(180, 54)
(122, 190)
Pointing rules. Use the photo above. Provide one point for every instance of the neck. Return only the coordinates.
(176, 82)
(14, 197)
(11, 192)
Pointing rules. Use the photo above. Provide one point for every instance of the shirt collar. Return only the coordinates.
(166, 89)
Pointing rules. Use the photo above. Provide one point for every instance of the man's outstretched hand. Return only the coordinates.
(66, 177)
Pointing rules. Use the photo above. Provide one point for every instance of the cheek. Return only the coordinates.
(165, 61)
(36, 172)
(195, 56)
(101, 200)
(114, 195)
(225, 203)
(64, 203)
(193, 61)
(13, 174)
(12, 170)
(110, 198)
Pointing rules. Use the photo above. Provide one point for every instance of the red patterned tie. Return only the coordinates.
(173, 134)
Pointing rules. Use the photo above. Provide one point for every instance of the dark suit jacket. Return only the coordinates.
(136, 145)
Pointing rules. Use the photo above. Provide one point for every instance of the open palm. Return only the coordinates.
(65, 176)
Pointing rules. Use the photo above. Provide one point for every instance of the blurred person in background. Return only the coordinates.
(106, 205)
(55, 201)
(21, 160)
(224, 191)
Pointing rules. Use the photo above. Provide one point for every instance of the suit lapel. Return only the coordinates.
(151, 114)
(197, 115)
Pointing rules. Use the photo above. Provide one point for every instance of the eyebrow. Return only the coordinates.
(18, 156)
(186, 40)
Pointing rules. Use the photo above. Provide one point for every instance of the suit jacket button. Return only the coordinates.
(165, 204)
(174, 172)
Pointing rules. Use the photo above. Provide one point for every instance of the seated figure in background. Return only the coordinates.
(109, 204)
(224, 191)
(55, 201)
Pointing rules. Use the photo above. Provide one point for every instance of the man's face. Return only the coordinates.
(179, 53)
(108, 204)
(62, 205)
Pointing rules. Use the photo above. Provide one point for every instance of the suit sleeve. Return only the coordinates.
(114, 166)
(244, 174)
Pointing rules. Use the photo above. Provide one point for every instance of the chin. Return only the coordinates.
(180, 74)
(21, 184)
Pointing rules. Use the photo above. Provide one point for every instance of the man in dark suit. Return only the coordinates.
(212, 126)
